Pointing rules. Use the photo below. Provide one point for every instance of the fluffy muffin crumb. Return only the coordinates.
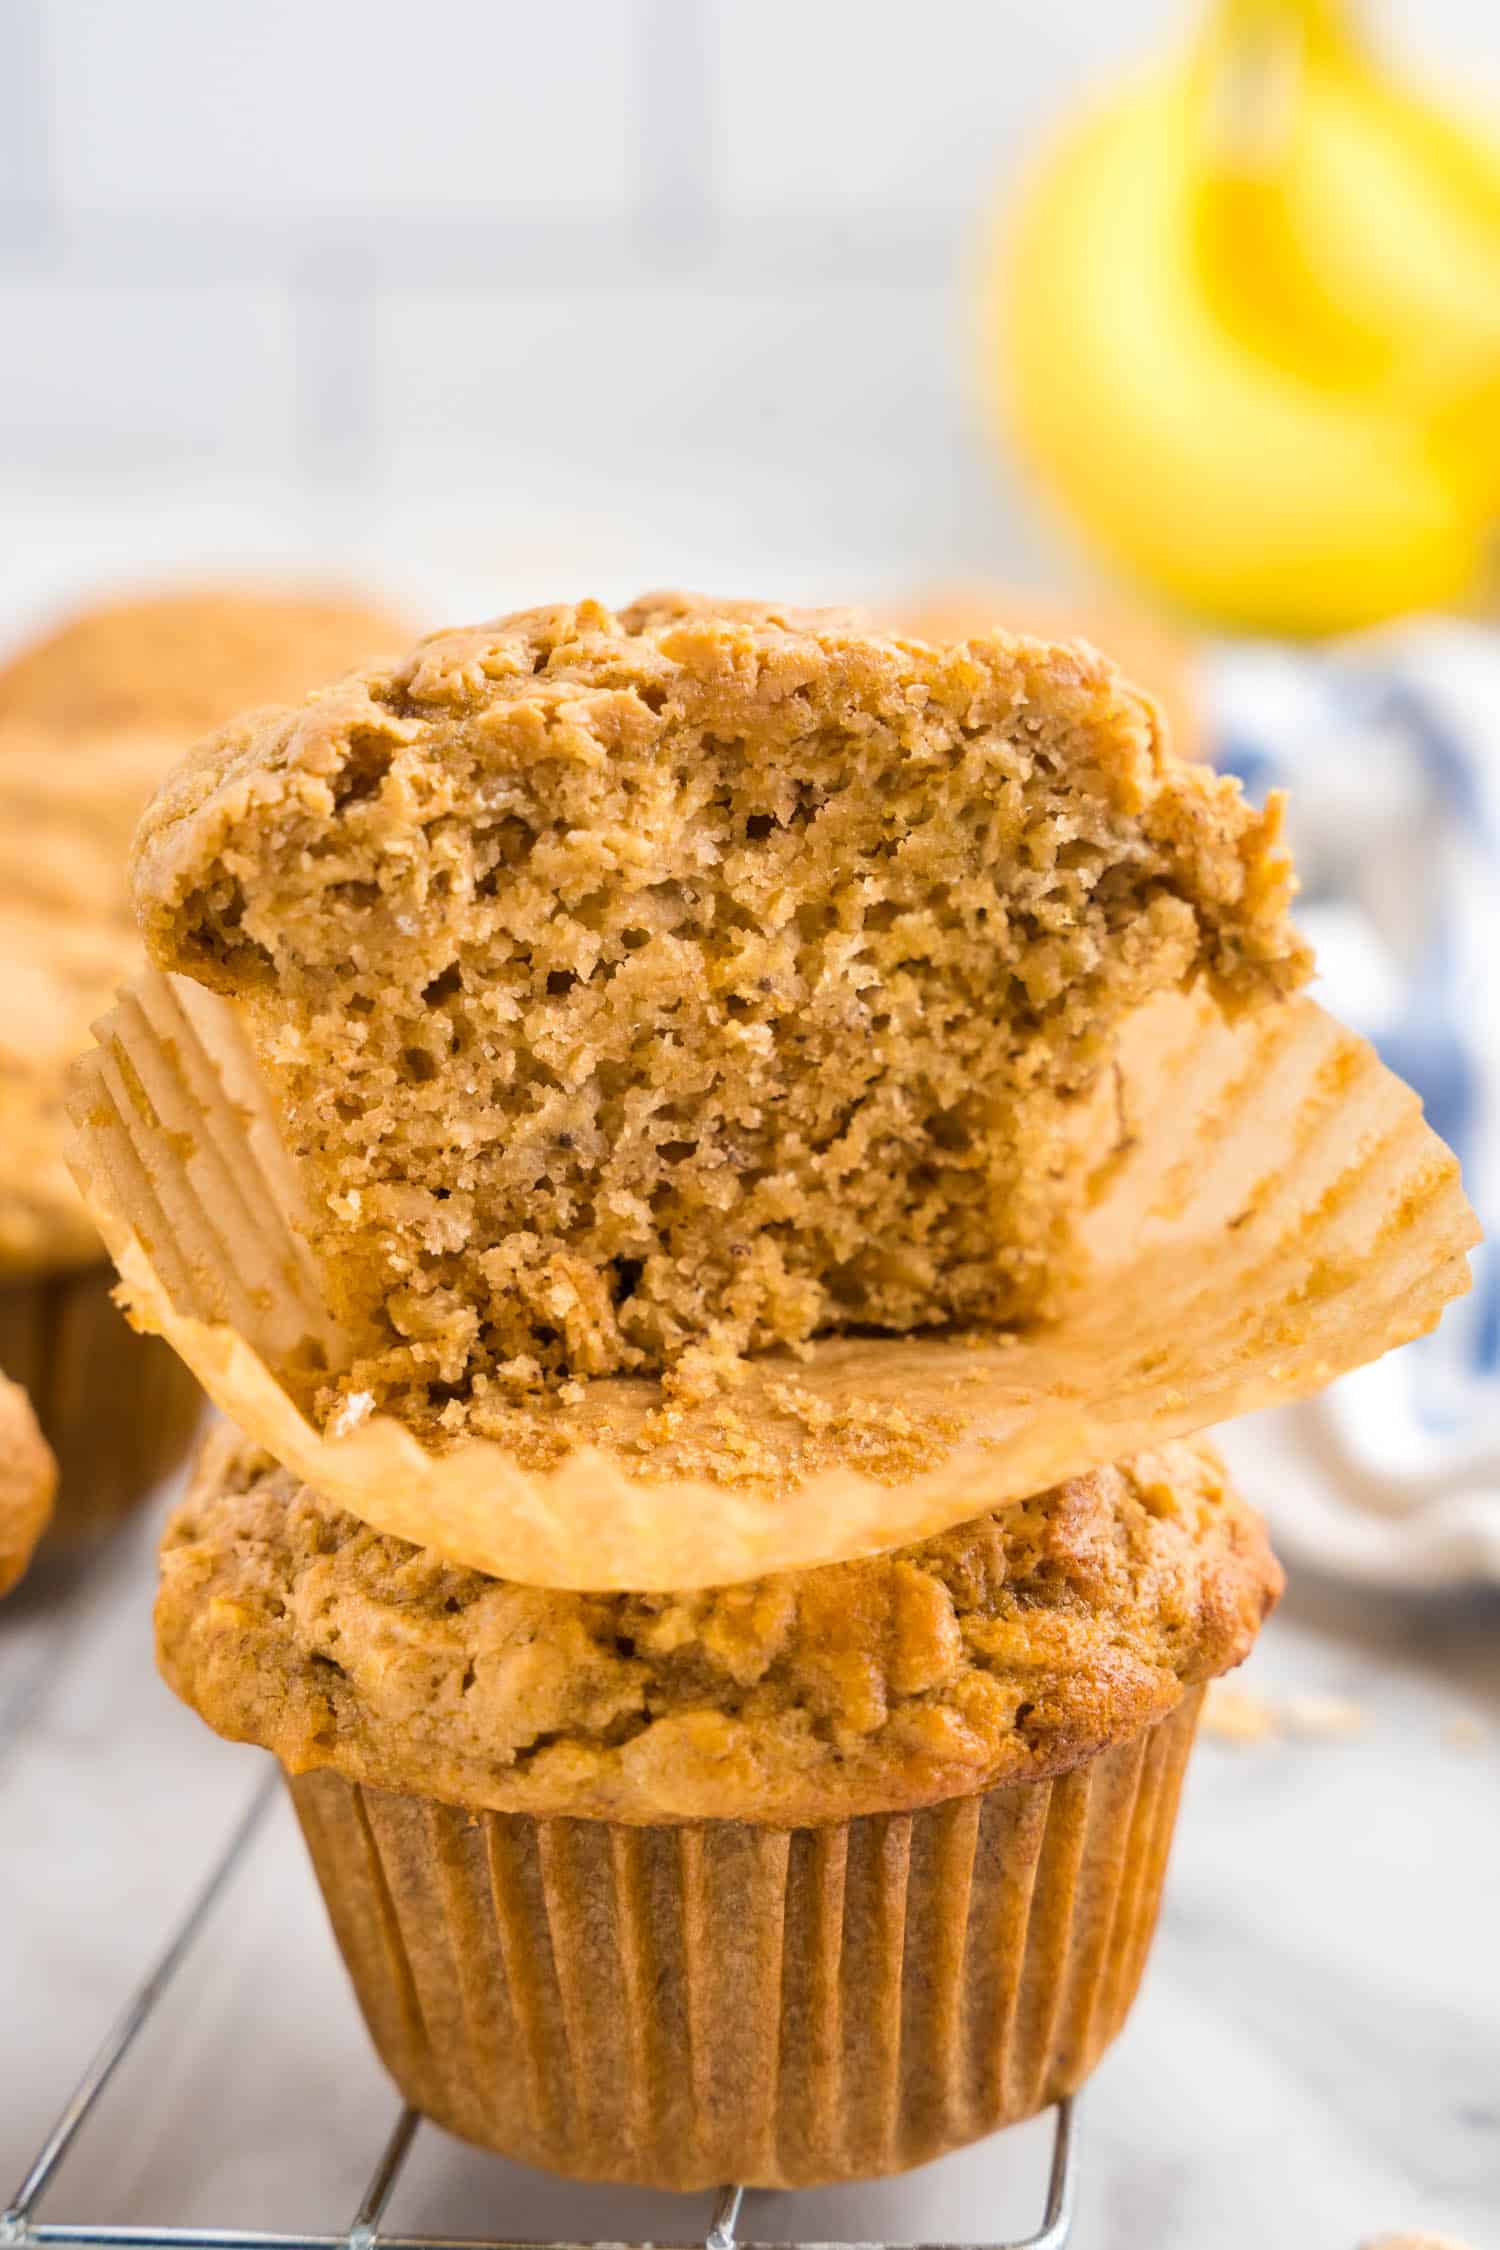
(1010, 1648)
(638, 991)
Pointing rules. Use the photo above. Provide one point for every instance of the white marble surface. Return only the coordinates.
(1315, 2059)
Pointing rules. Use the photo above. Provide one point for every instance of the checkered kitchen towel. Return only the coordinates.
(1389, 748)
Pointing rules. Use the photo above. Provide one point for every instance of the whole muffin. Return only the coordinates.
(28, 1477)
(806, 1879)
(91, 717)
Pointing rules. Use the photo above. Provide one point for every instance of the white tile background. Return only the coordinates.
(498, 287)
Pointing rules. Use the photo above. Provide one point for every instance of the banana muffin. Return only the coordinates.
(640, 991)
(1147, 649)
(28, 1477)
(902, 1821)
(178, 662)
(91, 717)
(66, 821)
(616, 1004)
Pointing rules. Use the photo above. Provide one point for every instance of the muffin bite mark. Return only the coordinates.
(639, 992)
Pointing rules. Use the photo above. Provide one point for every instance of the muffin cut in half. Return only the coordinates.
(903, 1823)
(638, 991)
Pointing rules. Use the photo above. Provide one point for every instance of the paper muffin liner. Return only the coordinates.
(1270, 1211)
(681, 2006)
(119, 1410)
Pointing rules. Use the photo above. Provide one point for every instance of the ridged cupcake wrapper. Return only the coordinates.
(682, 2006)
(119, 1410)
(1271, 1212)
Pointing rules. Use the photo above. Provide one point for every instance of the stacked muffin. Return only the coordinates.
(91, 717)
(627, 1147)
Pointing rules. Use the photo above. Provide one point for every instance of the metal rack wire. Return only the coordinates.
(21, 2230)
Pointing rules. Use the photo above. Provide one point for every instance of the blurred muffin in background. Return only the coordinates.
(185, 661)
(1145, 648)
(119, 1410)
(92, 715)
(28, 1475)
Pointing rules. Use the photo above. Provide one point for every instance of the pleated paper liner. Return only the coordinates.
(681, 2006)
(119, 1410)
(1272, 1212)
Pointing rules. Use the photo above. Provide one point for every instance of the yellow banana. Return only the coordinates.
(1246, 329)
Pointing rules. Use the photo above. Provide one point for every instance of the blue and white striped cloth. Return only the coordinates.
(1389, 748)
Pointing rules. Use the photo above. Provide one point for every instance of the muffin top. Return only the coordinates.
(182, 662)
(640, 991)
(28, 1477)
(1144, 646)
(1010, 1648)
(91, 718)
(67, 817)
(67, 942)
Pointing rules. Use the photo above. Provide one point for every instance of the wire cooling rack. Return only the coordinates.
(21, 2230)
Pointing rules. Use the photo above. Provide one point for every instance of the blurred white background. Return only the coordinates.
(479, 290)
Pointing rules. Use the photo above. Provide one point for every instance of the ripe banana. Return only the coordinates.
(1245, 327)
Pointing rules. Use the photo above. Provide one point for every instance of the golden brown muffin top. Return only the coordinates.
(1011, 1648)
(184, 661)
(28, 1478)
(638, 991)
(1145, 647)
